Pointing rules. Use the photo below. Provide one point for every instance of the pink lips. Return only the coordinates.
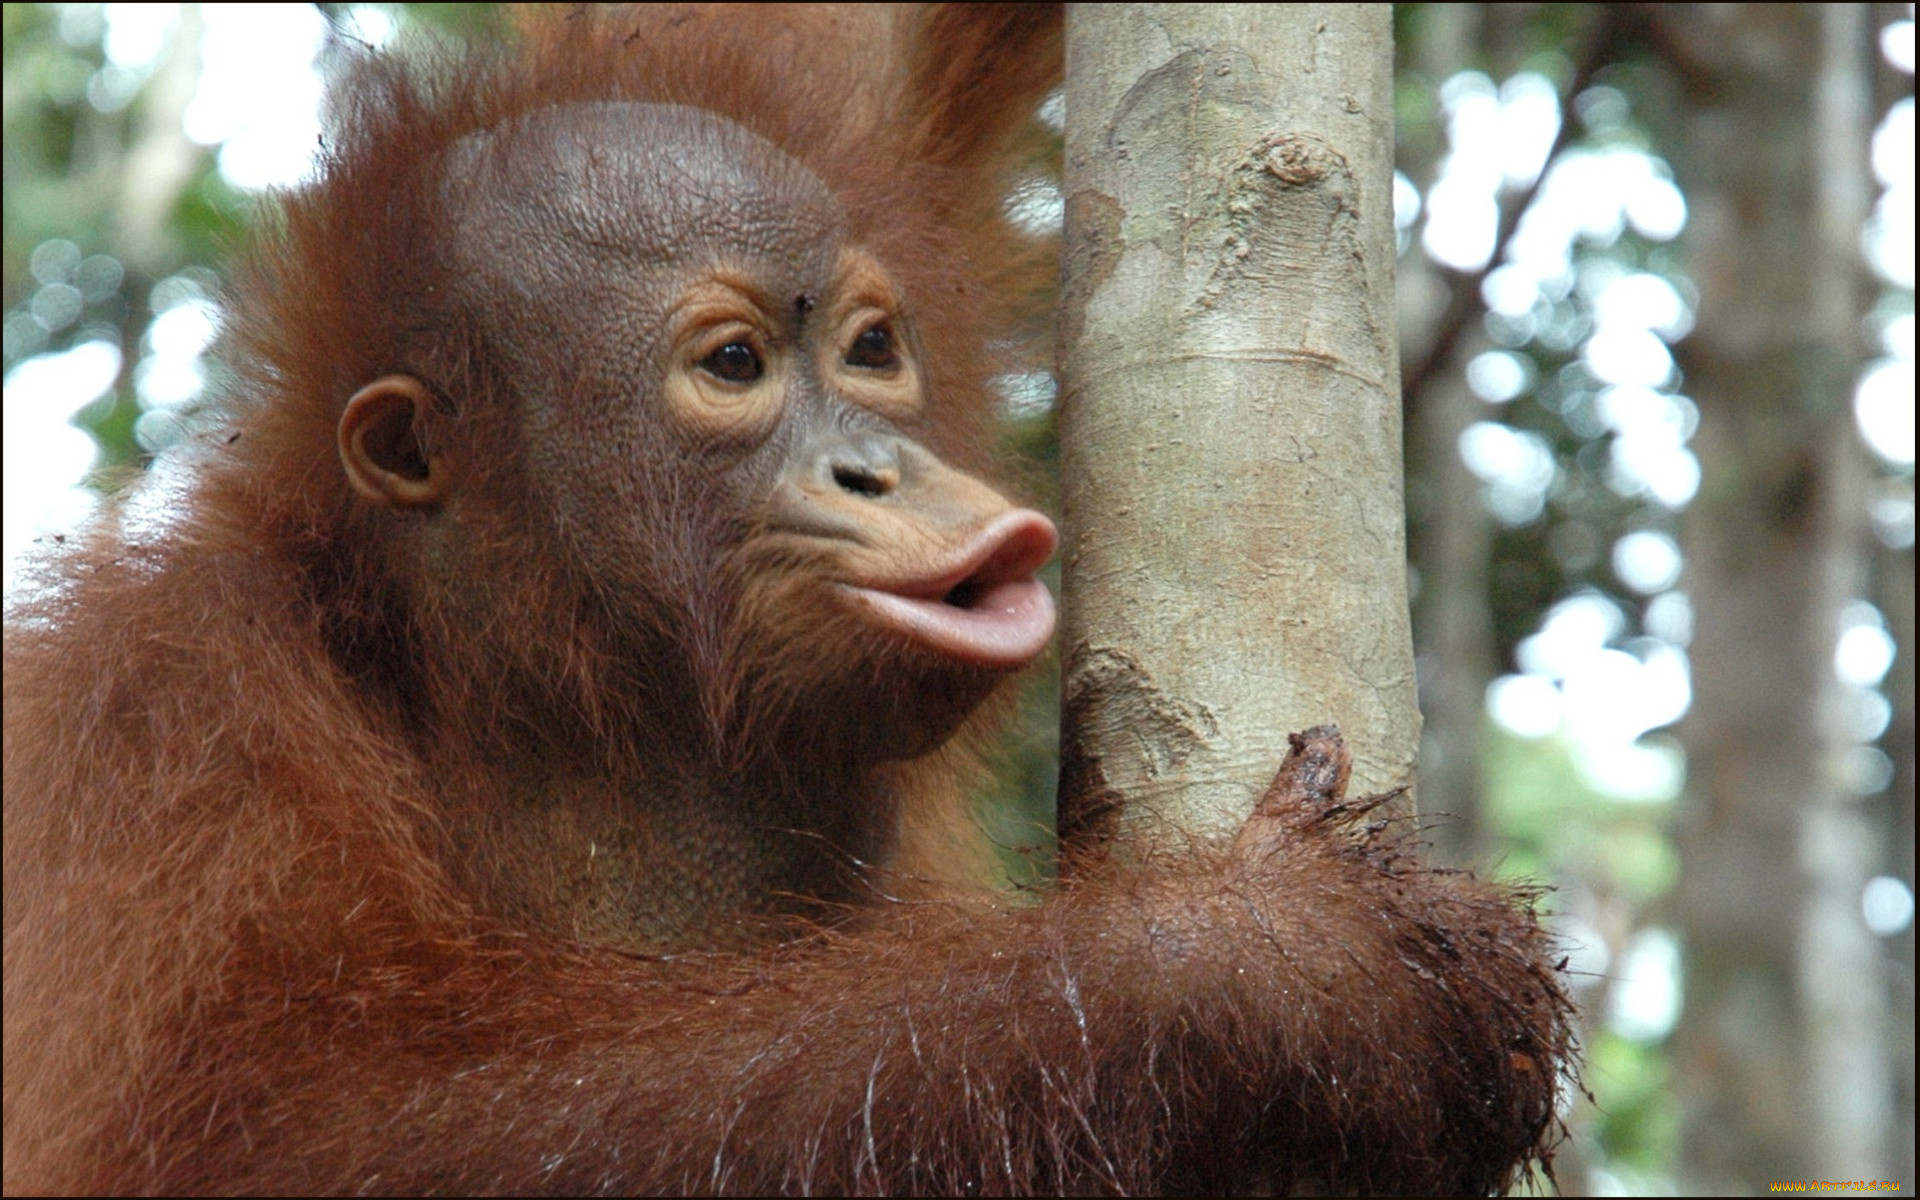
(987, 608)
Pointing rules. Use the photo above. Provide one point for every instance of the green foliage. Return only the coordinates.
(1639, 1125)
(82, 139)
(1555, 824)
(1017, 805)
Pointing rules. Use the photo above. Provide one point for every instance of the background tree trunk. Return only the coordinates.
(1230, 428)
(1451, 531)
(1775, 848)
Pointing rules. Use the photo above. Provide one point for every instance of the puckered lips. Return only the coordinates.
(984, 607)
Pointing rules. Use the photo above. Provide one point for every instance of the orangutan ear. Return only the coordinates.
(381, 447)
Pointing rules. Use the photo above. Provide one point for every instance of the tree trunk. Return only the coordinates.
(1782, 978)
(1452, 534)
(1230, 425)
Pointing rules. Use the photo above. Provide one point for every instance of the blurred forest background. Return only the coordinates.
(1656, 289)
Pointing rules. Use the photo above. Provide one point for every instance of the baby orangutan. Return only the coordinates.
(534, 758)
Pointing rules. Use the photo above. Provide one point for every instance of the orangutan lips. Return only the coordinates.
(988, 609)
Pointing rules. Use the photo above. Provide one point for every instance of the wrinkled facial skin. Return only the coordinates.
(708, 371)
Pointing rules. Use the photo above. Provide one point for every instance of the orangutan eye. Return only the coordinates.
(873, 349)
(735, 362)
